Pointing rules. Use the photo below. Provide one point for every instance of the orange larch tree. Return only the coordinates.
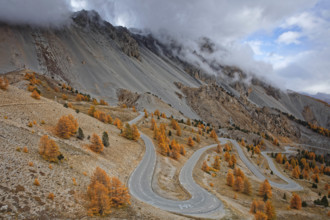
(227, 156)
(145, 113)
(191, 143)
(4, 83)
(35, 94)
(257, 206)
(265, 190)
(97, 145)
(270, 210)
(157, 113)
(118, 193)
(136, 133)
(260, 216)
(178, 131)
(238, 184)
(296, 172)
(128, 132)
(48, 149)
(219, 149)
(230, 178)
(66, 126)
(153, 123)
(205, 167)
(247, 186)
(198, 139)
(214, 135)
(295, 202)
(279, 158)
(104, 192)
(216, 164)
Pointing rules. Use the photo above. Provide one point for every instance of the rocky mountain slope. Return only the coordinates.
(97, 58)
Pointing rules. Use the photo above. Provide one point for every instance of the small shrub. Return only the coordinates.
(30, 125)
(51, 196)
(74, 181)
(211, 184)
(18, 149)
(4, 83)
(77, 111)
(64, 97)
(36, 182)
(25, 149)
(31, 164)
(304, 204)
(65, 105)
(43, 122)
(5, 117)
(85, 173)
(314, 186)
(35, 94)
(50, 166)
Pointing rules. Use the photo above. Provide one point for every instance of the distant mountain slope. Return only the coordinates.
(98, 58)
(94, 57)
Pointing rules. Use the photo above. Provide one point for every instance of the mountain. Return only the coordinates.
(321, 96)
(97, 58)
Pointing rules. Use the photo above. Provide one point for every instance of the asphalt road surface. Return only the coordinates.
(290, 185)
(201, 204)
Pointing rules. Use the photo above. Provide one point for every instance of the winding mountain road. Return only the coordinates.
(290, 185)
(202, 203)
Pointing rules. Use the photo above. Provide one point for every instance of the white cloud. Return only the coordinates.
(290, 37)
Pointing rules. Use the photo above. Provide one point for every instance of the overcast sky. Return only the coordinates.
(286, 42)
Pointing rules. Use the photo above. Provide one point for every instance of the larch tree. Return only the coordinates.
(191, 143)
(198, 139)
(128, 132)
(188, 122)
(118, 123)
(157, 113)
(175, 152)
(104, 192)
(216, 164)
(238, 184)
(260, 216)
(119, 195)
(279, 158)
(265, 190)
(66, 126)
(91, 110)
(99, 202)
(270, 210)
(213, 134)
(247, 187)
(178, 131)
(153, 123)
(227, 156)
(48, 149)
(205, 167)
(35, 94)
(136, 133)
(295, 202)
(4, 83)
(230, 178)
(296, 172)
(257, 205)
(219, 148)
(96, 144)
(239, 172)
(233, 159)
(145, 113)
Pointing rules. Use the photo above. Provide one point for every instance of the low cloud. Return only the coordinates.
(35, 12)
